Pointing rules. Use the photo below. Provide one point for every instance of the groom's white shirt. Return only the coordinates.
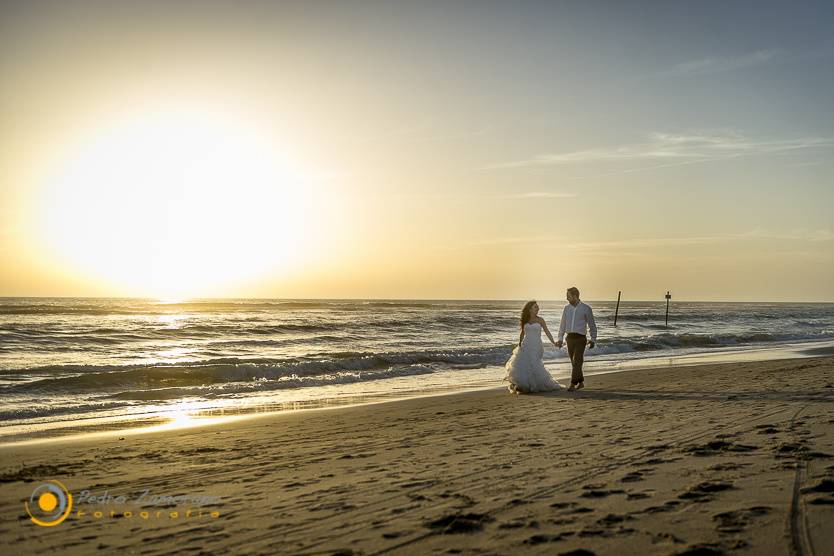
(578, 319)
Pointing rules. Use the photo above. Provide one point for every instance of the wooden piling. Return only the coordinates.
(617, 310)
(668, 297)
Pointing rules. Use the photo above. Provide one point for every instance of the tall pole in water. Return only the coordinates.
(617, 310)
(668, 297)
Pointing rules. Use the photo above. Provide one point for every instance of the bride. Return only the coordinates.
(525, 370)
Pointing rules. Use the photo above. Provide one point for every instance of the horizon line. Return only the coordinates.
(426, 299)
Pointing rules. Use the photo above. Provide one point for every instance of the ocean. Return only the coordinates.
(70, 364)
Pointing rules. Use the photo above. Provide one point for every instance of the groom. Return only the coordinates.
(576, 317)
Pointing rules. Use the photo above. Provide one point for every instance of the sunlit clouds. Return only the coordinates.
(688, 147)
(416, 150)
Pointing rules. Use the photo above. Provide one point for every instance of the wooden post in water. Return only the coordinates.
(668, 297)
(617, 310)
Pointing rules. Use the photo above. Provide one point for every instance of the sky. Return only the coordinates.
(434, 150)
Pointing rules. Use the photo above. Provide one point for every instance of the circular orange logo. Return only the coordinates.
(49, 504)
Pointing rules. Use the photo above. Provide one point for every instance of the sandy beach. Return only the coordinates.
(699, 460)
(271, 271)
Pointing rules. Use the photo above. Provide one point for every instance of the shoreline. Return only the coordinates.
(189, 417)
(655, 461)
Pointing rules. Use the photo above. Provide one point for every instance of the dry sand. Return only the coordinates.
(701, 460)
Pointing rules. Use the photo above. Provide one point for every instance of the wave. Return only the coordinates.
(104, 306)
(288, 382)
(34, 411)
(363, 365)
(144, 307)
(208, 391)
(671, 341)
(87, 378)
(40, 309)
(686, 340)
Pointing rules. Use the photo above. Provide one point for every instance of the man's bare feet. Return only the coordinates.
(580, 386)
(571, 388)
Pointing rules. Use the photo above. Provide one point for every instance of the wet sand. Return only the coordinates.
(709, 459)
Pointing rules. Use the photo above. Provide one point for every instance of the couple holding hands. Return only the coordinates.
(525, 368)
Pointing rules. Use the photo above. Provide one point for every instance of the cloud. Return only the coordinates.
(506, 241)
(674, 149)
(539, 195)
(801, 235)
(763, 57)
(705, 66)
(624, 245)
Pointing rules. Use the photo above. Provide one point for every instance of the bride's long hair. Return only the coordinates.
(525, 312)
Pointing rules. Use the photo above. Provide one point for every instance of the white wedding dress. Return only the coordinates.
(525, 369)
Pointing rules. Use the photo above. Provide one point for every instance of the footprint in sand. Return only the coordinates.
(458, 523)
(611, 519)
(605, 532)
(703, 491)
(395, 534)
(715, 447)
(580, 510)
(728, 466)
(667, 507)
(704, 549)
(600, 493)
(666, 537)
(359, 455)
(824, 487)
(562, 521)
(29, 474)
(736, 521)
(542, 538)
(658, 461)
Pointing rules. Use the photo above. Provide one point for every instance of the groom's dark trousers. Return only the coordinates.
(576, 352)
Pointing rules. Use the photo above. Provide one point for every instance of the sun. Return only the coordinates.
(176, 202)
